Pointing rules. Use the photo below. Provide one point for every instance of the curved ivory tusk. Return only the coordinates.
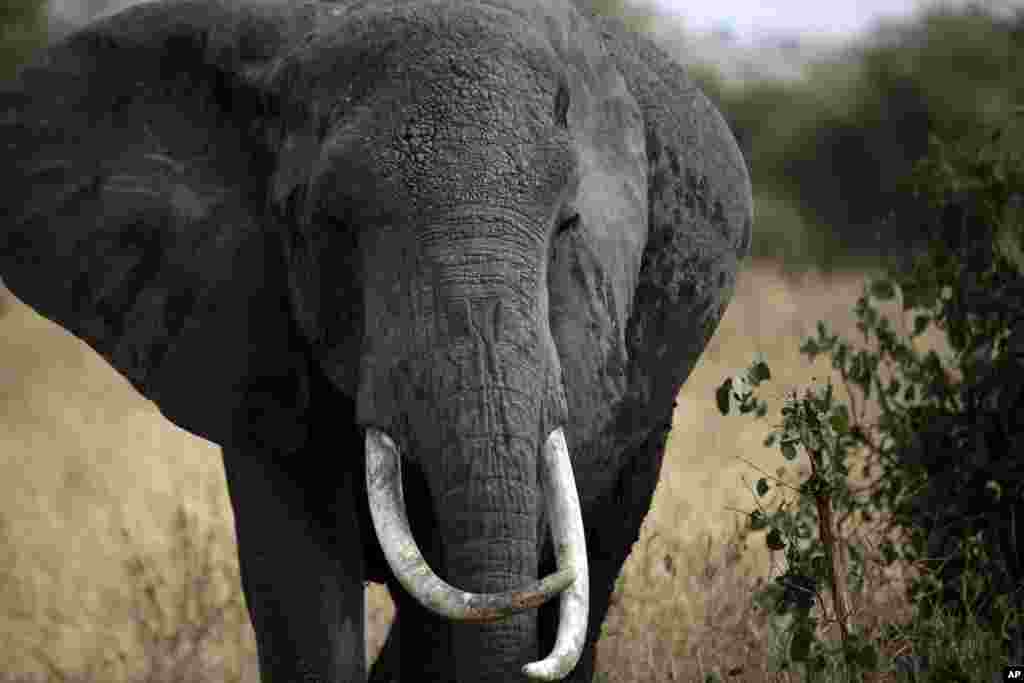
(571, 552)
(387, 507)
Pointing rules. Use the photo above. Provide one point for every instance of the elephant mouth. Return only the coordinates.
(387, 507)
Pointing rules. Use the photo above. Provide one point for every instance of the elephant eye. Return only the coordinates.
(562, 105)
(567, 224)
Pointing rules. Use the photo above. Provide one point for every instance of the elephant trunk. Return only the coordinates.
(488, 516)
(479, 394)
(489, 526)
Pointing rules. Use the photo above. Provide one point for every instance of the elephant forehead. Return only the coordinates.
(408, 100)
(359, 46)
(356, 49)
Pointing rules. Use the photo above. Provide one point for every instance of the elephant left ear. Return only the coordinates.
(134, 216)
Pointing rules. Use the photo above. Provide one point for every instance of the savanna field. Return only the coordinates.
(117, 548)
(117, 556)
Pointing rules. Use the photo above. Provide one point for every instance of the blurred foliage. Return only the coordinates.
(837, 143)
(22, 30)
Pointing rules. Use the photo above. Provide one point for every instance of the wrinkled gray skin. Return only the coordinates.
(463, 223)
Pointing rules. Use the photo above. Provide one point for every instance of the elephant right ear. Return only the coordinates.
(135, 214)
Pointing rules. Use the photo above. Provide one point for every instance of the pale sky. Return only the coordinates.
(834, 18)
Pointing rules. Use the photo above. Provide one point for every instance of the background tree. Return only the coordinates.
(22, 30)
(835, 144)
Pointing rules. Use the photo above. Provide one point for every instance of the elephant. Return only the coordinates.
(431, 273)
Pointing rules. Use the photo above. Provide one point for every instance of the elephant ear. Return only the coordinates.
(700, 217)
(135, 213)
(640, 281)
(595, 254)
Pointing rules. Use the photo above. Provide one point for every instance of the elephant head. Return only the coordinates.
(504, 229)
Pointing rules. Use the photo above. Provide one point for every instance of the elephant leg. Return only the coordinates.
(418, 642)
(303, 583)
(612, 528)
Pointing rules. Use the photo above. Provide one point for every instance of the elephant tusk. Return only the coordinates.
(387, 507)
(571, 553)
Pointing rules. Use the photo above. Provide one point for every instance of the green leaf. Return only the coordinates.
(722, 396)
(774, 540)
(920, 324)
(840, 420)
(757, 521)
(867, 657)
(911, 296)
(810, 348)
(759, 372)
(882, 290)
(788, 450)
(839, 356)
(819, 566)
(762, 487)
(741, 390)
(800, 648)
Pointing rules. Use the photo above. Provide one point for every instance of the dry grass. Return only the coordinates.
(83, 457)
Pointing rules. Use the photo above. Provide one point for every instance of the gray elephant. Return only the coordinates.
(390, 255)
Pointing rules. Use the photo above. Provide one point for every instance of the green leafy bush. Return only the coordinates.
(947, 447)
(964, 438)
